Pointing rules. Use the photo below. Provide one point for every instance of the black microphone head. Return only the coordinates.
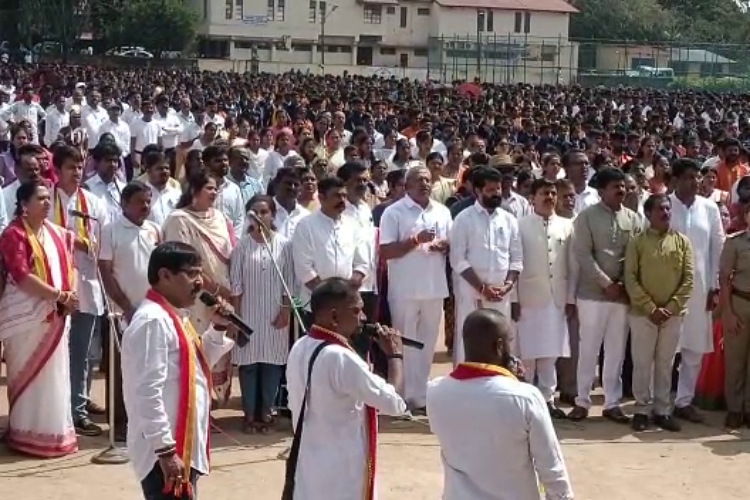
(207, 299)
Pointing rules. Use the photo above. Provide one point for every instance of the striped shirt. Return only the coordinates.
(252, 275)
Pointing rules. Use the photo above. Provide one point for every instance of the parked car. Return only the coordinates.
(134, 53)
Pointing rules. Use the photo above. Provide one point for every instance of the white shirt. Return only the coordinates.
(128, 247)
(171, 129)
(286, 222)
(89, 289)
(488, 243)
(258, 165)
(190, 129)
(229, 201)
(508, 444)
(333, 452)
(420, 274)
(121, 133)
(326, 248)
(32, 112)
(109, 194)
(131, 115)
(5, 216)
(145, 133)
(363, 215)
(53, 123)
(151, 386)
(92, 119)
(589, 196)
(9, 198)
(274, 162)
(516, 205)
(162, 203)
(217, 119)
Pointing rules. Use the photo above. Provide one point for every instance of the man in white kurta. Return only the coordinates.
(334, 443)
(699, 219)
(506, 447)
(486, 254)
(151, 369)
(414, 240)
(544, 293)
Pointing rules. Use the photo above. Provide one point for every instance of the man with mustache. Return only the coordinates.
(544, 298)
(486, 252)
(659, 280)
(27, 169)
(730, 168)
(127, 243)
(414, 241)
(601, 234)
(166, 368)
(327, 243)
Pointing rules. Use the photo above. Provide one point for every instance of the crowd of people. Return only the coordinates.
(595, 219)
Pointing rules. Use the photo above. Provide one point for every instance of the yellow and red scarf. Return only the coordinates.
(40, 261)
(371, 415)
(61, 214)
(470, 371)
(191, 349)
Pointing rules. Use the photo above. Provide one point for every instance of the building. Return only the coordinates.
(496, 40)
(683, 61)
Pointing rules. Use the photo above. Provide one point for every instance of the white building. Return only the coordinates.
(497, 40)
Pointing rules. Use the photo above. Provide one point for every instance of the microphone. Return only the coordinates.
(253, 215)
(371, 330)
(210, 301)
(77, 213)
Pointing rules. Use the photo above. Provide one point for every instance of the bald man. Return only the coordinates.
(509, 441)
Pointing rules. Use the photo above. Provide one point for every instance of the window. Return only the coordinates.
(280, 8)
(228, 10)
(387, 51)
(243, 45)
(302, 47)
(271, 11)
(239, 9)
(480, 20)
(527, 22)
(312, 15)
(322, 10)
(205, 9)
(404, 13)
(519, 22)
(373, 14)
(420, 52)
(390, 10)
(423, 12)
(549, 53)
(490, 21)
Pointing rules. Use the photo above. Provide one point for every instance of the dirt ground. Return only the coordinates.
(605, 461)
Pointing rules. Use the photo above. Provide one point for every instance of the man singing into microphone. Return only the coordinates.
(336, 458)
(166, 370)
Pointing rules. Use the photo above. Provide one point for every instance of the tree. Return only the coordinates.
(59, 21)
(637, 20)
(156, 25)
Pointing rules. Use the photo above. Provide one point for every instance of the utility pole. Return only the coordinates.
(323, 17)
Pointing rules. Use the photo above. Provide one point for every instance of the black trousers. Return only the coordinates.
(153, 486)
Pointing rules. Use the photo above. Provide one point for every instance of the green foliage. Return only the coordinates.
(688, 21)
(156, 25)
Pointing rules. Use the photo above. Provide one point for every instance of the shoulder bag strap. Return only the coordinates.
(291, 462)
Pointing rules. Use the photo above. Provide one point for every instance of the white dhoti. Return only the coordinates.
(696, 339)
(607, 323)
(542, 338)
(420, 320)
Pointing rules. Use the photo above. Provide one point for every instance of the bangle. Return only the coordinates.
(59, 295)
(415, 241)
(166, 451)
(396, 355)
(482, 289)
(218, 288)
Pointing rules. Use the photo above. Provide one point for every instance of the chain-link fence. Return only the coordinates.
(514, 58)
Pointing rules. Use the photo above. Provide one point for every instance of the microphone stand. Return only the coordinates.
(113, 454)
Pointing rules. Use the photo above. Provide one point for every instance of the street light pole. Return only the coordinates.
(323, 17)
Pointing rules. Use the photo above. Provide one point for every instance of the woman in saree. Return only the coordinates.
(196, 222)
(39, 295)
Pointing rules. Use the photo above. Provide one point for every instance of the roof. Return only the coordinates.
(560, 6)
(697, 56)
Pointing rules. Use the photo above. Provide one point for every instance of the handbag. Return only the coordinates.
(291, 462)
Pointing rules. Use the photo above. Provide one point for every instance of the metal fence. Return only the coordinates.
(514, 58)
(497, 58)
